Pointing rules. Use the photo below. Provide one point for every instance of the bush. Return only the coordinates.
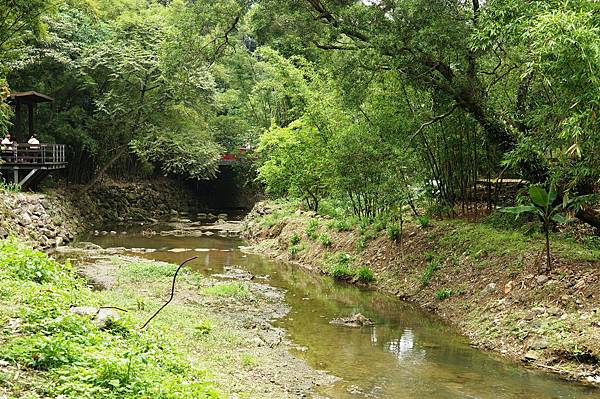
(343, 224)
(393, 232)
(29, 265)
(341, 271)
(443, 293)
(432, 266)
(295, 239)
(365, 274)
(423, 221)
(325, 240)
(312, 229)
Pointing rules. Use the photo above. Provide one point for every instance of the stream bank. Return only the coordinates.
(216, 339)
(483, 280)
(57, 216)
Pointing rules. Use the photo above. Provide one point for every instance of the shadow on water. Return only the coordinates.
(406, 354)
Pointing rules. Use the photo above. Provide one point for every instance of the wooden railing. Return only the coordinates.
(33, 154)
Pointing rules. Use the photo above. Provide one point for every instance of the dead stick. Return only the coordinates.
(172, 292)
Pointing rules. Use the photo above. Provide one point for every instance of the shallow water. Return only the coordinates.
(406, 354)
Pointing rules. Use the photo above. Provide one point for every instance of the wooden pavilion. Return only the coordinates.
(28, 164)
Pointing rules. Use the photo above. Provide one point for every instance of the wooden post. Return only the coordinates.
(30, 108)
(17, 131)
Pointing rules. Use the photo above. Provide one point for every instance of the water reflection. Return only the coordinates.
(407, 354)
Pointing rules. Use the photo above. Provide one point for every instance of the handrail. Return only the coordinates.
(43, 154)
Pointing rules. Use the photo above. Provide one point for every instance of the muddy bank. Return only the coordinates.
(484, 281)
(229, 318)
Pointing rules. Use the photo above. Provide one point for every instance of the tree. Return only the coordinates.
(295, 163)
(543, 207)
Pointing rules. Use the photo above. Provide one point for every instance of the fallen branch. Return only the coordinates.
(172, 292)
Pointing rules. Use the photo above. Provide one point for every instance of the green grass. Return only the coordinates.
(443, 293)
(325, 240)
(365, 274)
(9, 187)
(312, 231)
(432, 266)
(236, 290)
(248, 360)
(60, 354)
(484, 240)
(295, 239)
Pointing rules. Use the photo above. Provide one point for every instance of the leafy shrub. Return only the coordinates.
(204, 328)
(312, 229)
(295, 250)
(341, 271)
(342, 224)
(29, 265)
(295, 239)
(423, 221)
(365, 274)
(393, 231)
(432, 266)
(443, 293)
(325, 240)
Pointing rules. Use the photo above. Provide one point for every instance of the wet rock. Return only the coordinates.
(530, 357)
(594, 379)
(355, 321)
(88, 246)
(235, 274)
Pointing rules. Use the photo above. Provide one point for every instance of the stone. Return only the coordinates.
(491, 287)
(539, 310)
(84, 310)
(25, 219)
(88, 246)
(113, 233)
(594, 379)
(554, 311)
(541, 279)
(3, 233)
(530, 356)
(538, 344)
(105, 316)
(357, 320)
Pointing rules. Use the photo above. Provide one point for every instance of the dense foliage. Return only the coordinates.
(56, 353)
(370, 103)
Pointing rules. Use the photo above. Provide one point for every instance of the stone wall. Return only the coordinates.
(57, 217)
(44, 220)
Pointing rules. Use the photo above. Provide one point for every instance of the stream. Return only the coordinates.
(406, 354)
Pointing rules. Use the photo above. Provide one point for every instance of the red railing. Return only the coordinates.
(41, 154)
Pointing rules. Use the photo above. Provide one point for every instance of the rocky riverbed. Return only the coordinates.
(231, 317)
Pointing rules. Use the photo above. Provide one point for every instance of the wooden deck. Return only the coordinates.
(34, 161)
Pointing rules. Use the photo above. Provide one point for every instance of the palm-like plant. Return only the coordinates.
(543, 206)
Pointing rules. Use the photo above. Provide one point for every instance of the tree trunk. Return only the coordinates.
(120, 152)
(548, 259)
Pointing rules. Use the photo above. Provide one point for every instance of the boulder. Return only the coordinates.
(355, 321)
